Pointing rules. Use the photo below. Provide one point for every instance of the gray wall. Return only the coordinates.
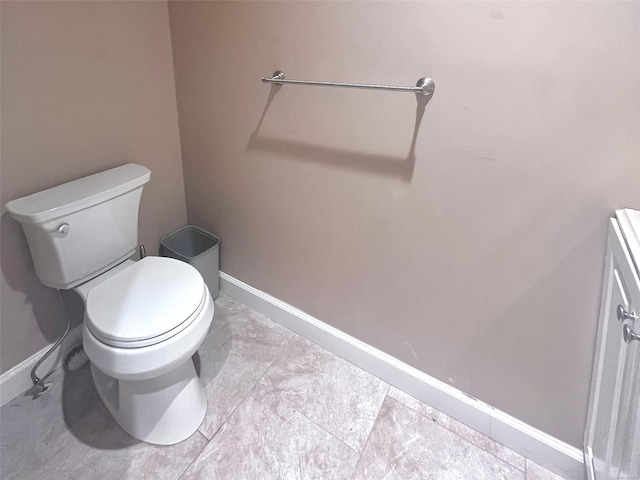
(86, 86)
(472, 250)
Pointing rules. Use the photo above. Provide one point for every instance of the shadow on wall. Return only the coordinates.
(385, 165)
(18, 272)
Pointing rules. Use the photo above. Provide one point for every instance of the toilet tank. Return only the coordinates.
(80, 229)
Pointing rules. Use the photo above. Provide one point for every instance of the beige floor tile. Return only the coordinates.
(238, 350)
(407, 445)
(267, 438)
(461, 429)
(340, 397)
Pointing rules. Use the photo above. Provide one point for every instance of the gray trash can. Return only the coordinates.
(198, 248)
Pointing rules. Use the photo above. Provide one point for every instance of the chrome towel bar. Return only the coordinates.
(425, 86)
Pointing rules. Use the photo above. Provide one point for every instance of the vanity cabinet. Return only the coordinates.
(612, 434)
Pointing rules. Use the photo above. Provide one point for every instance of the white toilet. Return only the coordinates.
(143, 320)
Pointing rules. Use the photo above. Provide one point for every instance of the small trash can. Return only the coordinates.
(199, 249)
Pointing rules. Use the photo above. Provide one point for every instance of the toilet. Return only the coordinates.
(143, 319)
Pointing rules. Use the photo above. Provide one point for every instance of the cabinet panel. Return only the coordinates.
(613, 427)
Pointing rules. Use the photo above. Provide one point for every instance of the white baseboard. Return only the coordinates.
(16, 381)
(541, 448)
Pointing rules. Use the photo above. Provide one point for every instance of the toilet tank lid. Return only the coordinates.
(78, 194)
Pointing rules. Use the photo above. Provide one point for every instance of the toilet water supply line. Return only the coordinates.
(38, 383)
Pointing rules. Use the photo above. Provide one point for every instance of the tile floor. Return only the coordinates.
(280, 407)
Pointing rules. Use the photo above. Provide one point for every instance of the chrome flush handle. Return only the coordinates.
(60, 231)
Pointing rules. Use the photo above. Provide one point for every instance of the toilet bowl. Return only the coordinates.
(143, 322)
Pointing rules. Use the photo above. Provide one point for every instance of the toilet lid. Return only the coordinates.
(144, 301)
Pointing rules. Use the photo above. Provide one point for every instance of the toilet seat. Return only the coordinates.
(144, 363)
(146, 303)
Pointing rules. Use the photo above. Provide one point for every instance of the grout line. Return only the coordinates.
(209, 440)
(359, 453)
(277, 357)
(459, 435)
(206, 443)
(318, 425)
(219, 427)
(294, 337)
(373, 426)
(244, 397)
(291, 337)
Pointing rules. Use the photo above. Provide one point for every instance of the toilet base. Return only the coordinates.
(163, 410)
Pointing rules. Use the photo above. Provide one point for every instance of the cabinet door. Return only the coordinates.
(612, 436)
